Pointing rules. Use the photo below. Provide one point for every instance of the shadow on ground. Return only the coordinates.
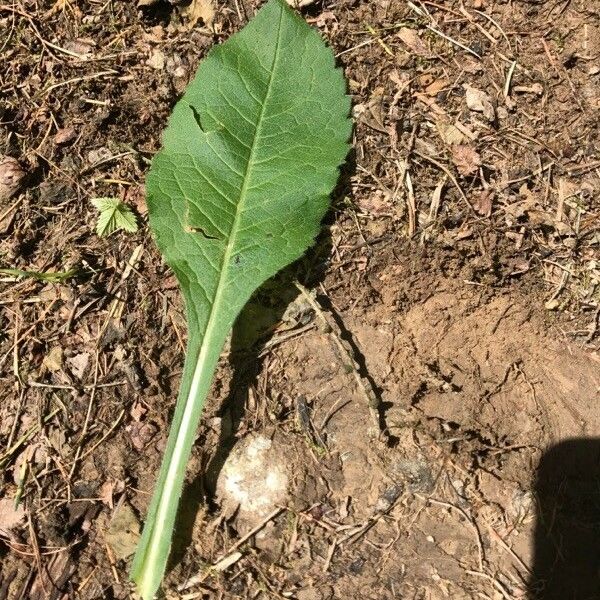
(567, 538)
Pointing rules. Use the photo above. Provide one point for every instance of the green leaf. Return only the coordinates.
(56, 277)
(114, 215)
(249, 160)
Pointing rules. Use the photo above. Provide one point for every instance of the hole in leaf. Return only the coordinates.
(197, 118)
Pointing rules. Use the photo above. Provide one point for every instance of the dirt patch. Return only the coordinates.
(459, 274)
(474, 393)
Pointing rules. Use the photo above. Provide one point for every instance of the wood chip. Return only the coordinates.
(412, 40)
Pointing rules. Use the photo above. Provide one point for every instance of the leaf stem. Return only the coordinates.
(153, 550)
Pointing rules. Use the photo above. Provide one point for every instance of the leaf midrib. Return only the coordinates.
(215, 309)
(216, 306)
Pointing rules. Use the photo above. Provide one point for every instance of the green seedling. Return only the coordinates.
(114, 215)
(55, 277)
(249, 160)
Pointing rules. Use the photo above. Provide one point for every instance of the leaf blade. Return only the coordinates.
(113, 215)
(257, 121)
